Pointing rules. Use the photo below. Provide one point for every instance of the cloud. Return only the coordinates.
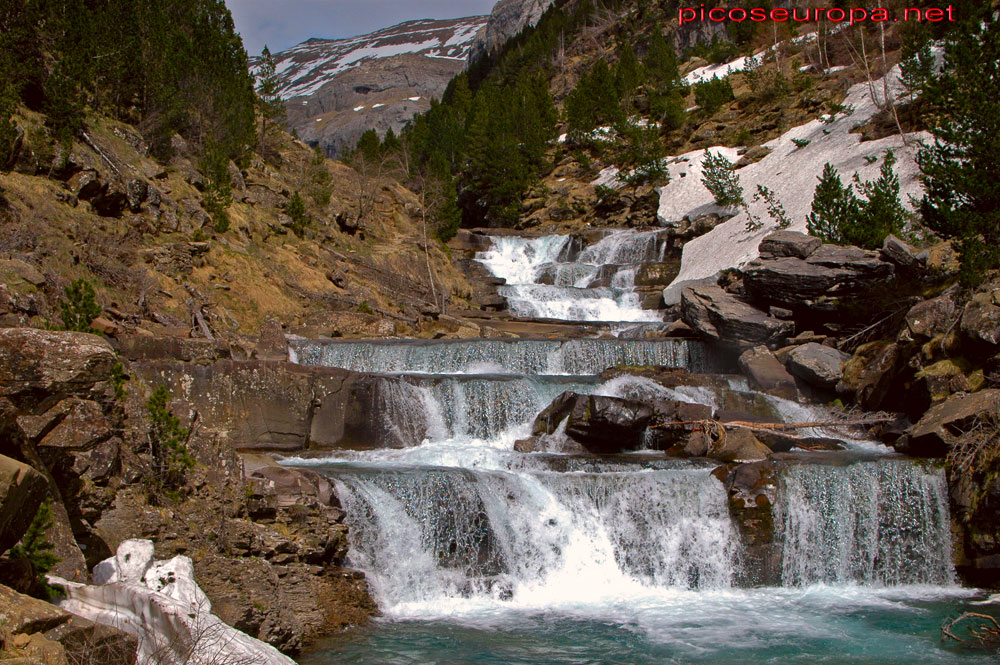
(284, 23)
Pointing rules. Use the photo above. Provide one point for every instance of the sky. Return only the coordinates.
(284, 23)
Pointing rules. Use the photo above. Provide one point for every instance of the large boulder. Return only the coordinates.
(788, 243)
(736, 444)
(820, 282)
(941, 428)
(980, 323)
(722, 317)
(607, 425)
(49, 363)
(767, 373)
(275, 405)
(22, 490)
(818, 365)
(876, 375)
(48, 634)
(929, 318)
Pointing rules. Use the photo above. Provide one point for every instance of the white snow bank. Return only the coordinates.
(161, 604)
(791, 173)
(721, 70)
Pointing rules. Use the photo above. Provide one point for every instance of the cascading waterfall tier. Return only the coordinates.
(429, 534)
(500, 356)
(546, 278)
(877, 523)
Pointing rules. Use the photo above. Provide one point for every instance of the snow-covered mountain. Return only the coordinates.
(335, 89)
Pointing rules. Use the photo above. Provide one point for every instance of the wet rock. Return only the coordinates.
(752, 489)
(735, 444)
(788, 243)
(608, 424)
(723, 317)
(22, 490)
(767, 373)
(817, 365)
(656, 274)
(600, 424)
(782, 442)
(943, 424)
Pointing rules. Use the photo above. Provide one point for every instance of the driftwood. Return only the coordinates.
(704, 424)
(984, 633)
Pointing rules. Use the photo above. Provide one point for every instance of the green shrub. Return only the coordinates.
(841, 217)
(296, 209)
(365, 308)
(721, 180)
(38, 550)
(79, 307)
(168, 440)
(712, 94)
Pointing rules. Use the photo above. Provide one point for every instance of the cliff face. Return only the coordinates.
(508, 18)
(337, 89)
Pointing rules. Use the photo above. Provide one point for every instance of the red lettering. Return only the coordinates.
(906, 14)
(711, 14)
(737, 9)
(680, 17)
(858, 14)
(795, 15)
(779, 14)
(938, 14)
(880, 14)
(841, 12)
(950, 17)
(758, 14)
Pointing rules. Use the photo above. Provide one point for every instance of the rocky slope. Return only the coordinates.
(104, 210)
(508, 18)
(266, 542)
(337, 89)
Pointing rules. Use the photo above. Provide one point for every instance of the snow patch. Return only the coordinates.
(791, 173)
(161, 604)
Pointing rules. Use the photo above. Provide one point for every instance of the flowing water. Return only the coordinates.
(547, 278)
(480, 554)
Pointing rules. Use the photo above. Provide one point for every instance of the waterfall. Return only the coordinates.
(882, 523)
(485, 406)
(433, 534)
(501, 356)
(599, 285)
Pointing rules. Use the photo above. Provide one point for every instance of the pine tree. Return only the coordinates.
(661, 62)
(269, 103)
(834, 208)
(712, 94)
(36, 548)
(168, 440)
(79, 306)
(883, 212)
(629, 75)
(369, 145)
(960, 170)
(721, 180)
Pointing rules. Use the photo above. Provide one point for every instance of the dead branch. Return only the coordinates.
(713, 424)
(985, 634)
